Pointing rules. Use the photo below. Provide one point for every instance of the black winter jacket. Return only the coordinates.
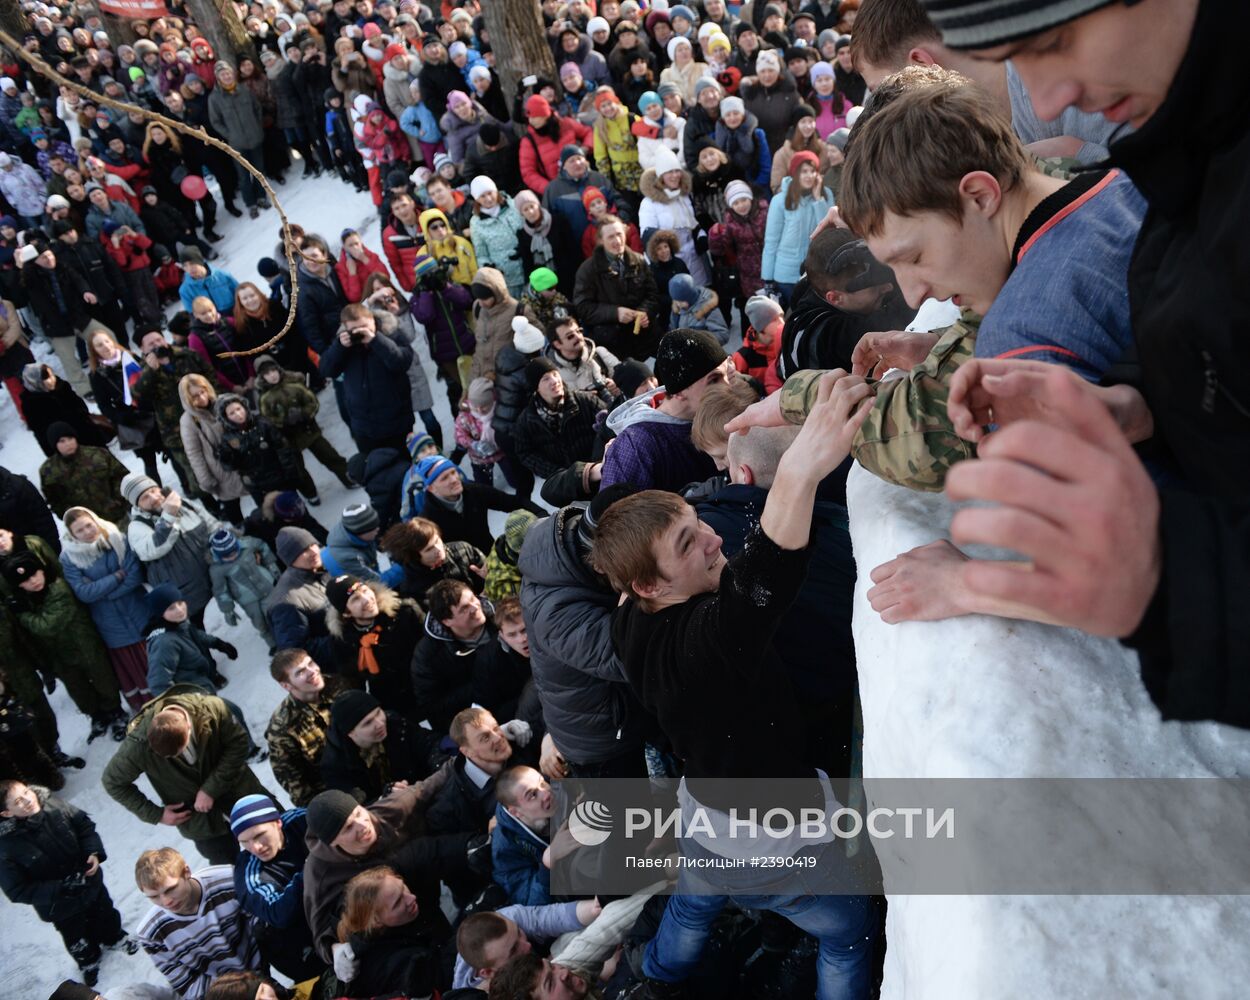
(24, 511)
(511, 391)
(375, 383)
(1190, 313)
(461, 806)
(317, 311)
(409, 753)
(39, 853)
(470, 523)
(545, 449)
(259, 452)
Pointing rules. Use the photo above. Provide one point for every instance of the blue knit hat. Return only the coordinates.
(648, 98)
(424, 264)
(223, 543)
(161, 597)
(433, 466)
(681, 288)
(417, 440)
(252, 810)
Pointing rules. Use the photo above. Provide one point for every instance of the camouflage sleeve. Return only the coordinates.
(908, 438)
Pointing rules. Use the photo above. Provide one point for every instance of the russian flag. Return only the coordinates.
(131, 370)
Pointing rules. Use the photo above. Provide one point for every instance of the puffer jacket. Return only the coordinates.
(180, 654)
(117, 606)
(593, 67)
(257, 451)
(616, 150)
(458, 133)
(201, 432)
(220, 769)
(517, 853)
(448, 675)
(401, 248)
(588, 706)
(375, 382)
(345, 552)
(493, 324)
(600, 291)
(511, 391)
(39, 853)
(787, 233)
(658, 211)
(443, 316)
(540, 154)
(245, 580)
(396, 90)
(545, 448)
(175, 549)
(353, 280)
(495, 242)
(450, 246)
(739, 240)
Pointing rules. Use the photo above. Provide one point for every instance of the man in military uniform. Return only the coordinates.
(298, 727)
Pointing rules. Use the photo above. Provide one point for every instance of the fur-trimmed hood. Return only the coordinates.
(8, 825)
(389, 603)
(650, 186)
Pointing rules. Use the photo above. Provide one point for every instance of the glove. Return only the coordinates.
(75, 882)
(231, 652)
(772, 290)
(344, 961)
(232, 618)
(518, 731)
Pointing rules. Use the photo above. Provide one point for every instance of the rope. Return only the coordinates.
(288, 245)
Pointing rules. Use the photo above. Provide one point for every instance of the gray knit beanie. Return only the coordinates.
(983, 24)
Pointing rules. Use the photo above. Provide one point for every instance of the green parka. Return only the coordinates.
(220, 768)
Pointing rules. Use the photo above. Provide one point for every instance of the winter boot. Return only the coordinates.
(99, 726)
(117, 725)
(62, 759)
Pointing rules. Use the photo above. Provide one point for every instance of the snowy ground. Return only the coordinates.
(981, 697)
(31, 955)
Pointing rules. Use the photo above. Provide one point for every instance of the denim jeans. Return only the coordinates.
(844, 925)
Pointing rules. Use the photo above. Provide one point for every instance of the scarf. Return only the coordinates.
(492, 212)
(486, 432)
(32, 378)
(84, 554)
(366, 661)
(549, 416)
(540, 239)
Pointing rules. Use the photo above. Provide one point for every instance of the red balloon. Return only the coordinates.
(193, 187)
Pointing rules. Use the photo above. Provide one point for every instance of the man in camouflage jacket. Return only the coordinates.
(298, 727)
(88, 476)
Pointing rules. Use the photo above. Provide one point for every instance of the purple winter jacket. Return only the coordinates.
(441, 313)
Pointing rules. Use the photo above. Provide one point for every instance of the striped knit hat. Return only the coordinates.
(252, 810)
(983, 24)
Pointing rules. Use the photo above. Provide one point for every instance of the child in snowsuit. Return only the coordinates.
(474, 432)
(178, 652)
(243, 572)
(762, 342)
(255, 449)
(342, 144)
(129, 251)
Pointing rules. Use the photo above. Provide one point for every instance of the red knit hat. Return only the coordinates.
(537, 107)
(589, 195)
(393, 50)
(806, 156)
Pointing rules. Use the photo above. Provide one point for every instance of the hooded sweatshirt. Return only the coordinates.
(493, 323)
(652, 449)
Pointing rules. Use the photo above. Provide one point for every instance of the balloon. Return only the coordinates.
(193, 187)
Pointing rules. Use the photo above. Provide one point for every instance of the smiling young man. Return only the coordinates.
(269, 883)
(1111, 554)
(197, 928)
(694, 634)
(297, 729)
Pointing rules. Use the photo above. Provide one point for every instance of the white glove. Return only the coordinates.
(345, 964)
(518, 731)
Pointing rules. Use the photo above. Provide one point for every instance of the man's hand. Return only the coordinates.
(989, 390)
(89, 298)
(172, 504)
(478, 570)
(624, 314)
(518, 731)
(551, 762)
(203, 801)
(923, 585)
(842, 403)
(345, 338)
(765, 413)
(152, 361)
(93, 865)
(1071, 497)
(832, 218)
(175, 815)
(877, 353)
(588, 911)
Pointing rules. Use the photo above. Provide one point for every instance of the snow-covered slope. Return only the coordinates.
(980, 697)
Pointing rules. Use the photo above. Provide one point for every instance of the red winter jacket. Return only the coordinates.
(756, 360)
(354, 284)
(540, 156)
(131, 255)
(401, 251)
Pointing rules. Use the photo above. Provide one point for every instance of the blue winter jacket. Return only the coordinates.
(218, 285)
(517, 854)
(419, 122)
(117, 606)
(347, 553)
(788, 233)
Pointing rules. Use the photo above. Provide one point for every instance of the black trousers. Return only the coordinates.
(220, 850)
(92, 927)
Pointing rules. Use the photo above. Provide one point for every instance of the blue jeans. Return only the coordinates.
(844, 926)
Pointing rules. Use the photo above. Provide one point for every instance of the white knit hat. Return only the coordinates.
(665, 160)
(526, 337)
(482, 184)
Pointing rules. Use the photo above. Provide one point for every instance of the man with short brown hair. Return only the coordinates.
(297, 729)
(194, 752)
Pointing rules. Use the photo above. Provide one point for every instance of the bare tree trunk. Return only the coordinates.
(119, 29)
(220, 24)
(519, 42)
(12, 20)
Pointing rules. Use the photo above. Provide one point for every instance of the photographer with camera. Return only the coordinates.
(157, 389)
(374, 370)
(442, 307)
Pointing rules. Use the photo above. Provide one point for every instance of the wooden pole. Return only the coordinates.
(220, 24)
(519, 42)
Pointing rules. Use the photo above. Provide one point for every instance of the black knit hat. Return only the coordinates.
(983, 24)
(593, 514)
(350, 707)
(328, 812)
(339, 590)
(685, 356)
(535, 370)
(59, 429)
(800, 112)
(629, 375)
